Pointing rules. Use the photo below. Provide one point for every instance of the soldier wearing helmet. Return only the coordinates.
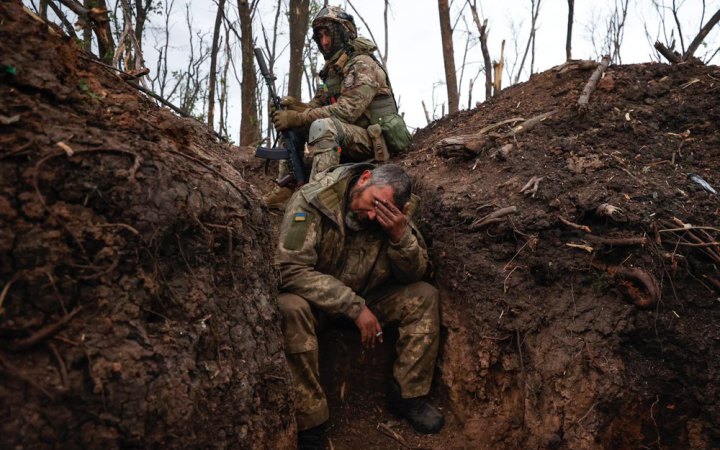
(355, 93)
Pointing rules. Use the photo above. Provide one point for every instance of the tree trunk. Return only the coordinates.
(534, 11)
(213, 64)
(299, 17)
(448, 56)
(249, 131)
(568, 41)
(87, 29)
(701, 35)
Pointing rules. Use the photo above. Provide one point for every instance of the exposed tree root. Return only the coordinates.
(642, 298)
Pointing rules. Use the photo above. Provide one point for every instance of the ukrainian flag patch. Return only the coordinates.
(297, 230)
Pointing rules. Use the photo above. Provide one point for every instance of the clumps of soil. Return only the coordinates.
(137, 302)
(545, 345)
(577, 262)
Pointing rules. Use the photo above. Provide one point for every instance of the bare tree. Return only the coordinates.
(448, 56)
(690, 52)
(534, 12)
(191, 83)
(483, 30)
(159, 81)
(249, 129)
(298, 22)
(616, 31)
(213, 64)
(383, 56)
(568, 40)
(498, 69)
(385, 23)
(98, 20)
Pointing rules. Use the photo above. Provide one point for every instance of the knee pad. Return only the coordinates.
(323, 129)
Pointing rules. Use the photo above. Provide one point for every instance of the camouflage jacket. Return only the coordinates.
(331, 266)
(350, 84)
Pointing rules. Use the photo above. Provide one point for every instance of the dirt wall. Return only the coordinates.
(137, 303)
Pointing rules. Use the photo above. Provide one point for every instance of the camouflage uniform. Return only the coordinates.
(355, 91)
(326, 267)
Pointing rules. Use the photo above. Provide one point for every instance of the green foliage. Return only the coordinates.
(599, 281)
(85, 89)
(10, 70)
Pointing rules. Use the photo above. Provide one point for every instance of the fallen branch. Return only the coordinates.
(669, 54)
(646, 299)
(574, 225)
(529, 124)
(574, 64)
(617, 241)
(472, 143)
(493, 217)
(592, 82)
(531, 187)
(587, 248)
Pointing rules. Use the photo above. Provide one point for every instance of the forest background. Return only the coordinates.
(196, 56)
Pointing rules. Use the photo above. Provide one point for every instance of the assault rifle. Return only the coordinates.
(292, 146)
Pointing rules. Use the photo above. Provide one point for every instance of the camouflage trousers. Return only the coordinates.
(331, 142)
(413, 306)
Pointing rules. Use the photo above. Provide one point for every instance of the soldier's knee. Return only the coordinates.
(322, 129)
(428, 294)
(423, 309)
(292, 305)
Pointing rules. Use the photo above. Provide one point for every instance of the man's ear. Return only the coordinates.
(406, 208)
(364, 178)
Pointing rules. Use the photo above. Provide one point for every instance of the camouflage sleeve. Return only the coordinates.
(319, 99)
(359, 86)
(408, 258)
(296, 257)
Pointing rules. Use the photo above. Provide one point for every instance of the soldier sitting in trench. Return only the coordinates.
(347, 248)
(355, 95)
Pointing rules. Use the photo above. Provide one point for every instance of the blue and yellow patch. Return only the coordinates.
(297, 231)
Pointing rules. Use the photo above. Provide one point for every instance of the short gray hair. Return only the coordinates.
(394, 176)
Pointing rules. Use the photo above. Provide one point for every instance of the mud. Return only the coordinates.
(138, 293)
(543, 349)
(138, 302)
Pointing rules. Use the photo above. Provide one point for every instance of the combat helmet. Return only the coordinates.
(339, 24)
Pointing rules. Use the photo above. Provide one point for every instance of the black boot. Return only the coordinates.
(423, 416)
(313, 438)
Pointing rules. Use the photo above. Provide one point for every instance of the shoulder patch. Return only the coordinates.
(297, 230)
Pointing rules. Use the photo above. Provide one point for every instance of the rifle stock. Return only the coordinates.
(292, 147)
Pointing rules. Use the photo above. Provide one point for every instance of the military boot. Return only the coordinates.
(278, 197)
(423, 416)
(314, 438)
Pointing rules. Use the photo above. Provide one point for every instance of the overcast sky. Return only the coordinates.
(415, 61)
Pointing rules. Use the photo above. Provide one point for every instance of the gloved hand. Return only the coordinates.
(286, 119)
(293, 104)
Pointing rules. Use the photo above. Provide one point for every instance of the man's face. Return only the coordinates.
(362, 210)
(324, 39)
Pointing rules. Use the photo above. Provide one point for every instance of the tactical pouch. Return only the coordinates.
(395, 132)
(378, 141)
